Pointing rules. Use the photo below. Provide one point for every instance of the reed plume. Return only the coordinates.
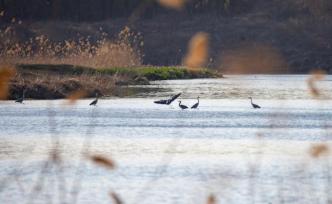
(197, 51)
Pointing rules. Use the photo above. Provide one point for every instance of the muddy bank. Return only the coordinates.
(59, 81)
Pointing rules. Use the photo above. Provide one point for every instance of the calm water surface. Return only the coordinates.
(166, 155)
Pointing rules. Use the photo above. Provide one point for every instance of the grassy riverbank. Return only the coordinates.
(41, 81)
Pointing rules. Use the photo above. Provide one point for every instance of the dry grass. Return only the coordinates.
(197, 54)
(211, 200)
(315, 76)
(6, 74)
(55, 86)
(115, 198)
(75, 95)
(319, 150)
(124, 51)
(101, 160)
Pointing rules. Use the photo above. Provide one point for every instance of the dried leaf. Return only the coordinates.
(174, 4)
(103, 161)
(198, 51)
(5, 75)
(74, 96)
(319, 150)
(115, 198)
(316, 75)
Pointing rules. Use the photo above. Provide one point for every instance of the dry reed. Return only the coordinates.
(124, 51)
(197, 54)
(315, 76)
(6, 74)
(115, 198)
(211, 200)
(102, 161)
(74, 96)
(319, 150)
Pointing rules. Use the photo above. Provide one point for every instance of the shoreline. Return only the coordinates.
(52, 81)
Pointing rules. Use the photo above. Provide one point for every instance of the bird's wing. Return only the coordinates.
(161, 102)
(93, 102)
(173, 98)
(195, 105)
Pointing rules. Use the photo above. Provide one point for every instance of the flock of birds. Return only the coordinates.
(164, 101)
(170, 100)
(195, 106)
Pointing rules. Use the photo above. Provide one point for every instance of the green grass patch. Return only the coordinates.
(151, 73)
(163, 73)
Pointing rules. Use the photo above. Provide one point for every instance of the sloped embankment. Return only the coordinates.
(59, 81)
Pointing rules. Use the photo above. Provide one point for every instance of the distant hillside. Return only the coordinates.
(290, 36)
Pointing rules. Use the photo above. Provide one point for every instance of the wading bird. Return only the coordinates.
(94, 102)
(168, 101)
(182, 106)
(21, 99)
(196, 104)
(254, 105)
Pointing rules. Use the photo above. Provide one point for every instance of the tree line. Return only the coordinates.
(94, 10)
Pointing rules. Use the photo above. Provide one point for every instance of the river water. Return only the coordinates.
(166, 155)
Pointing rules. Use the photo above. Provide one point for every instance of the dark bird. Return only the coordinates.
(182, 106)
(20, 99)
(254, 105)
(168, 101)
(94, 102)
(196, 104)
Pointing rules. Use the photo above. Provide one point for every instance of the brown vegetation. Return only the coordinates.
(6, 74)
(302, 41)
(45, 81)
(123, 51)
(197, 54)
(115, 198)
(316, 75)
(56, 87)
(103, 161)
(319, 150)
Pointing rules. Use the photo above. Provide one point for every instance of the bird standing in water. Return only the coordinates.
(182, 106)
(196, 104)
(94, 102)
(21, 99)
(254, 105)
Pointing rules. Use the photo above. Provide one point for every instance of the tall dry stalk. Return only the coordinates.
(197, 54)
